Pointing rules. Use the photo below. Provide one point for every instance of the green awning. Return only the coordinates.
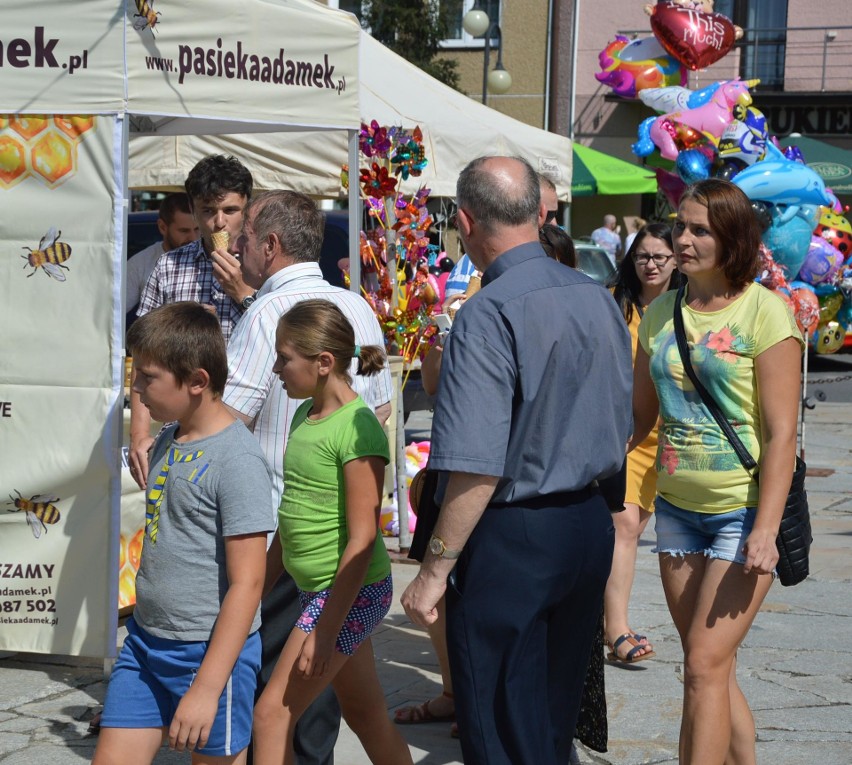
(833, 165)
(599, 173)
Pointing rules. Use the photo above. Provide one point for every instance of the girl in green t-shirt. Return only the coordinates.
(328, 525)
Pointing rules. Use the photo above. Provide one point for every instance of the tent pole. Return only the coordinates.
(354, 216)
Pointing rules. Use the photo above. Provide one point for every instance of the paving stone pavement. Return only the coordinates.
(794, 665)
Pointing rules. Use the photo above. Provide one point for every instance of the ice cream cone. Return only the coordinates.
(220, 240)
(473, 285)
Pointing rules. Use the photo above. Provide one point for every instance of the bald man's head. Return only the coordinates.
(499, 191)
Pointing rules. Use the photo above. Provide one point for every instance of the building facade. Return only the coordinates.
(801, 51)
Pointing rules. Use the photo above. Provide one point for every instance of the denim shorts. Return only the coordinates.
(152, 674)
(716, 535)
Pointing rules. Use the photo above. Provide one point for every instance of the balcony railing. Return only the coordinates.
(793, 59)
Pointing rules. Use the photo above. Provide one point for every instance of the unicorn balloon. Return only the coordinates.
(708, 120)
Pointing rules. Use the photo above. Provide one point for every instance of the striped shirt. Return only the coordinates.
(256, 392)
(460, 276)
(187, 274)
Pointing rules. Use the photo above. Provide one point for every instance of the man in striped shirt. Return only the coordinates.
(219, 188)
(280, 249)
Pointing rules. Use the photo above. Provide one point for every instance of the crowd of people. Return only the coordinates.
(263, 572)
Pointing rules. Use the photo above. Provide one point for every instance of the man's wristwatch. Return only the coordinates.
(248, 300)
(437, 547)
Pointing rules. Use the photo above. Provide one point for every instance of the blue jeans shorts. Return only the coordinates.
(716, 535)
(152, 675)
(371, 605)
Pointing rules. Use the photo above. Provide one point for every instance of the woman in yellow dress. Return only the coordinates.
(646, 272)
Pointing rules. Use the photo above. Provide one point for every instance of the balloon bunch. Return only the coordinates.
(712, 131)
(824, 280)
(395, 250)
(687, 35)
(416, 457)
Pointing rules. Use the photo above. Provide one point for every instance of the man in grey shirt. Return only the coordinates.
(539, 366)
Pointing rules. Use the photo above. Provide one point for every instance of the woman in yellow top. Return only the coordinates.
(715, 531)
(646, 272)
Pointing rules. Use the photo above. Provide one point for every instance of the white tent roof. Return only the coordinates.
(202, 67)
(392, 92)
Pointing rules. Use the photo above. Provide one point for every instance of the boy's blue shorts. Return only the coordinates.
(152, 674)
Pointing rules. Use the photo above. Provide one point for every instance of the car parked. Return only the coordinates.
(594, 262)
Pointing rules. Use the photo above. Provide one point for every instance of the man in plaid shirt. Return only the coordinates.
(219, 188)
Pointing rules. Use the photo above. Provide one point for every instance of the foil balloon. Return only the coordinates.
(794, 154)
(837, 231)
(710, 119)
(631, 66)
(692, 166)
(805, 309)
(789, 241)
(743, 141)
(821, 263)
(761, 212)
(827, 338)
(671, 185)
(844, 314)
(830, 299)
(695, 38)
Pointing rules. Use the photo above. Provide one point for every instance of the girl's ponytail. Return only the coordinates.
(371, 359)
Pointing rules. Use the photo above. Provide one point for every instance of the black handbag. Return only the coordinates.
(794, 535)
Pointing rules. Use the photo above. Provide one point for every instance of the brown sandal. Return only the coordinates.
(632, 656)
(419, 714)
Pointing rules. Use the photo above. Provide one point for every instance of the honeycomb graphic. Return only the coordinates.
(41, 146)
(128, 564)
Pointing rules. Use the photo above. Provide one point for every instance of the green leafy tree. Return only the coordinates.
(414, 29)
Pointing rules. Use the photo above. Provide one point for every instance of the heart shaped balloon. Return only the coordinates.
(695, 38)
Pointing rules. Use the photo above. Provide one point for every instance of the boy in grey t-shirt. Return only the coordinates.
(188, 666)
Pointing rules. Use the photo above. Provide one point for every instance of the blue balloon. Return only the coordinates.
(789, 241)
(821, 290)
(799, 285)
(692, 165)
(844, 315)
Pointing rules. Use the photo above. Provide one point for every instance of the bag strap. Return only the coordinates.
(680, 335)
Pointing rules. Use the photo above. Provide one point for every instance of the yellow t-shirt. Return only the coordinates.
(697, 467)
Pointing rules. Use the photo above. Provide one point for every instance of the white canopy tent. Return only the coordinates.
(392, 92)
(73, 77)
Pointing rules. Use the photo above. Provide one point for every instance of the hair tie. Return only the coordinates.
(357, 352)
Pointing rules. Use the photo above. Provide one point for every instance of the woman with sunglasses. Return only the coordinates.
(646, 272)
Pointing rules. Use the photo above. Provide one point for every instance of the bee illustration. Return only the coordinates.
(147, 16)
(40, 510)
(50, 255)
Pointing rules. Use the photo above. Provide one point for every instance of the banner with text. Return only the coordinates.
(60, 378)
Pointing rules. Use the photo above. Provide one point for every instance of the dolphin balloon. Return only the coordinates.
(779, 181)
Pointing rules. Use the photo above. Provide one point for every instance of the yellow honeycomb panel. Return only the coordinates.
(28, 125)
(74, 125)
(52, 157)
(13, 161)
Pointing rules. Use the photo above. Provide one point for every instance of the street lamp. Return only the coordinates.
(476, 23)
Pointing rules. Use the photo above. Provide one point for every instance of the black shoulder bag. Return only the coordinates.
(794, 536)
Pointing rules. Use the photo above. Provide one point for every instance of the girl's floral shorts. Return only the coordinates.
(371, 605)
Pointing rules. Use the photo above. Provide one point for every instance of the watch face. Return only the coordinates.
(436, 547)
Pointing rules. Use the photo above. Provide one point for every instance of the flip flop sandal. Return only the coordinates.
(420, 714)
(633, 656)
